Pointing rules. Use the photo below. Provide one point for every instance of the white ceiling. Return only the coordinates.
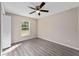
(20, 8)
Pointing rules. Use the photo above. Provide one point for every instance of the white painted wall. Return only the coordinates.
(78, 24)
(6, 31)
(0, 30)
(16, 23)
(60, 28)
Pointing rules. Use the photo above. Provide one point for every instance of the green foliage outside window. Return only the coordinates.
(25, 26)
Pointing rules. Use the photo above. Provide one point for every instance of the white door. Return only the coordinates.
(6, 31)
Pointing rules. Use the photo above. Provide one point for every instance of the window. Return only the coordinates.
(25, 28)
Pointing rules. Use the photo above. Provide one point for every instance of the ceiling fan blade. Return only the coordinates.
(39, 13)
(44, 10)
(32, 12)
(42, 4)
(32, 8)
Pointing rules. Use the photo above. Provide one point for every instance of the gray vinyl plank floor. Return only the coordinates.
(40, 47)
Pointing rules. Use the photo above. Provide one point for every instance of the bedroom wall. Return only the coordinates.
(78, 24)
(16, 22)
(60, 28)
(0, 29)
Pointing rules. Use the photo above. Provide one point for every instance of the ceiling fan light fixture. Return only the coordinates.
(38, 11)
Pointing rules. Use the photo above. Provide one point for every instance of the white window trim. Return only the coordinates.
(28, 30)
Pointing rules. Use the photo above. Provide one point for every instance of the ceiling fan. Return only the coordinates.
(38, 9)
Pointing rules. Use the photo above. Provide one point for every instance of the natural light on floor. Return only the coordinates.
(10, 49)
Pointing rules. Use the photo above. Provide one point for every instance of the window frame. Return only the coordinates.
(25, 30)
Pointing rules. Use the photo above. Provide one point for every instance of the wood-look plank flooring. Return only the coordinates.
(40, 47)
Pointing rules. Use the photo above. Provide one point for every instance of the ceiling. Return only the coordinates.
(20, 8)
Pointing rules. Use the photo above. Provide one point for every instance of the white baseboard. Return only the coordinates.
(72, 47)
